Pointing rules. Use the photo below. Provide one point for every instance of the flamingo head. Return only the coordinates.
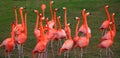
(88, 13)
(36, 11)
(106, 6)
(51, 2)
(77, 18)
(64, 8)
(21, 8)
(55, 9)
(43, 6)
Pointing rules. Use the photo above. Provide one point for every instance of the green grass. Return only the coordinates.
(74, 7)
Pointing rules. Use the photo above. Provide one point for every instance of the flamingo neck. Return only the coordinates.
(65, 18)
(16, 17)
(41, 29)
(108, 14)
(25, 25)
(113, 24)
(37, 17)
(12, 33)
(21, 15)
(51, 12)
(55, 20)
(76, 31)
(60, 27)
(86, 26)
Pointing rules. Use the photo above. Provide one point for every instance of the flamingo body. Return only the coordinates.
(67, 45)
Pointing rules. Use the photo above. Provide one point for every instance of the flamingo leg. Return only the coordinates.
(75, 53)
(52, 49)
(100, 53)
(107, 53)
(81, 54)
(110, 52)
(8, 55)
(67, 54)
(19, 51)
(22, 51)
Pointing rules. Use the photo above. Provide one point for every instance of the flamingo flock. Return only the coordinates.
(51, 31)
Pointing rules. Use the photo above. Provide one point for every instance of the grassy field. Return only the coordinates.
(74, 7)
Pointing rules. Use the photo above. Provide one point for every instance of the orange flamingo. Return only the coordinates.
(36, 29)
(21, 38)
(83, 41)
(106, 23)
(51, 23)
(113, 31)
(9, 43)
(41, 45)
(82, 27)
(19, 27)
(67, 45)
(76, 37)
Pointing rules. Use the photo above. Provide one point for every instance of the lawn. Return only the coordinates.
(74, 7)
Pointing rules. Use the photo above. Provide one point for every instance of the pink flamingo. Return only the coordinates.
(22, 36)
(67, 45)
(106, 23)
(82, 27)
(113, 31)
(19, 27)
(36, 29)
(9, 43)
(83, 41)
(41, 45)
(51, 23)
(76, 37)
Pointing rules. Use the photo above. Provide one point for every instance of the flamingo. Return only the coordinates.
(113, 31)
(76, 37)
(21, 38)
(106, 23)
(67, 45)
(83, 41)
(41, 45)
(9, 43)
(36, 29)
(82, 27)
(19, 27)
(51, 23)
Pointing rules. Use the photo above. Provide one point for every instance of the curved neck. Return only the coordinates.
(51, 12)
(113, 24)
(37, 18)
(108, 14)
(59, 24)
(16, 16)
